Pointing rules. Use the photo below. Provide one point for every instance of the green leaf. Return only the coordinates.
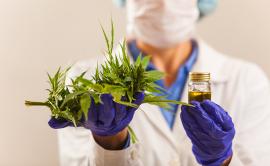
(106, 39)
(152, 89)
(145, 61)
(130, 96)
(85, 82)
(161, 101)
(126, 103)
(79, 115)
(96, 97)
(117, 95)
(69, 116)
(112, 36)
(85, 102)
(138, 60)
(113, 88)
(176, 102)
(128, 79)
(154, 75)
(71, 96)
(96, 87)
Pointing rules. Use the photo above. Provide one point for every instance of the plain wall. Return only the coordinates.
(37, 36)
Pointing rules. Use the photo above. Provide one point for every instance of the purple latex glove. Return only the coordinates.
(210, 130)
(110, 117)
(104, 119)
(59, 123)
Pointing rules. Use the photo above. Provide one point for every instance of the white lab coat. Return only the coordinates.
(239, 87)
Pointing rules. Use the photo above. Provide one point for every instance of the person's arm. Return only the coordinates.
(128, 156)
(227, 161)
(77, 147)
(115, 142)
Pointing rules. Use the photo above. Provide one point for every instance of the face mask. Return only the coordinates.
(162, 23)
(205, 6)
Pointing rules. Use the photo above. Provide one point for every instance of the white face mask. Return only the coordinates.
(162, 23)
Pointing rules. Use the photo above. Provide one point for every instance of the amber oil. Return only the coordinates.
(199, 87)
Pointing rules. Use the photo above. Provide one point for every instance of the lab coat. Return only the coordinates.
(241, 88)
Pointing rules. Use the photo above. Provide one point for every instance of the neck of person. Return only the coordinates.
(167, 60)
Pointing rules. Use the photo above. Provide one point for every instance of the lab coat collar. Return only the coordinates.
(208, 55)
(209, 60)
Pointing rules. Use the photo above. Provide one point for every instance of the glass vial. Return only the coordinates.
(199, 86)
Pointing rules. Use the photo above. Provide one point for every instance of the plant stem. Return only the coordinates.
(33, 103)
(133, 136)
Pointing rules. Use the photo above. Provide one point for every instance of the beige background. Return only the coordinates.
(39, 35)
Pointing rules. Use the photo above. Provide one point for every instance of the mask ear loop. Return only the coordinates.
(120, 3)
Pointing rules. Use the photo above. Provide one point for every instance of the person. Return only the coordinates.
(232, 129)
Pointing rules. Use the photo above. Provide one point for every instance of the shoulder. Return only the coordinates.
(246, 72)
(229, 67)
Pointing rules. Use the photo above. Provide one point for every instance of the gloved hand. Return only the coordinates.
(210, 130)
(104, 119)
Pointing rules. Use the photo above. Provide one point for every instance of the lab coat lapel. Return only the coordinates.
(178, 130)
(155, 116)
(209, 60)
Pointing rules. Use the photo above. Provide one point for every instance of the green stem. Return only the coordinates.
(133, 137)
(35, 103)
(168, 101)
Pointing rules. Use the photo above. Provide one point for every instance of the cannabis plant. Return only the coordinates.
(117, 76)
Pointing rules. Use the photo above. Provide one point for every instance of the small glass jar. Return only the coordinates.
(199, 86)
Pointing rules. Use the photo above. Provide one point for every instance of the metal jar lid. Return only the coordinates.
(199, 76)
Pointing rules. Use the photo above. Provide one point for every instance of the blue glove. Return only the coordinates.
(59, 123)
(104, 119)
(210, 130)
(110, 117)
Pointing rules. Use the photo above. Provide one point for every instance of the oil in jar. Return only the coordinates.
(199, 86)
(199, 96)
